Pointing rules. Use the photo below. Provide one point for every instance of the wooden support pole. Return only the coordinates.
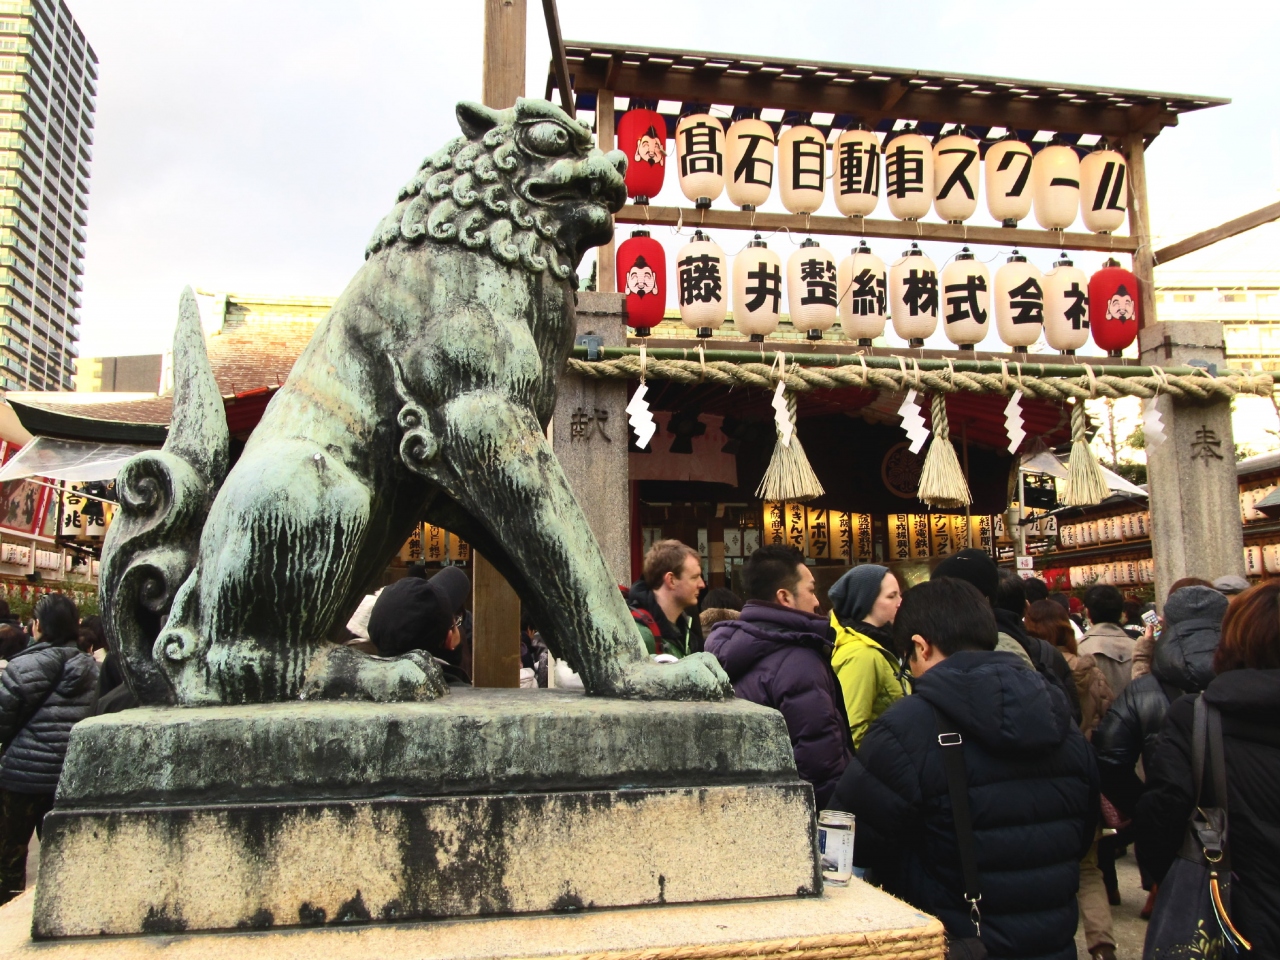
(1229, 229)
(504, 26)
(559, 62)
(1140, 226)
(606, 280)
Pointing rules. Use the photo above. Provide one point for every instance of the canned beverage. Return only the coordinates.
(835, 846)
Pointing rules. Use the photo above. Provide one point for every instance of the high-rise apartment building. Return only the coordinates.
(48, 82)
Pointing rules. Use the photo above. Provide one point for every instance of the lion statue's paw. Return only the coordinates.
(698, 676)
(341, 673)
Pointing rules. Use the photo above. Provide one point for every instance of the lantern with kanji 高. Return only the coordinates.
(1019, 292)
(862, 291)
(701, 284)
(955, 177)
(700, 154)
(749, 177)
(856, 183)
(966, 300)
(1115, 308)
(1055, 178)
(908, 175)
(802, 168)
(1104, 191)
(642, 276)
(1066, 307)
(642, 136)
(757, 290)
(1007, 171)
(811, 289)
(913, 296)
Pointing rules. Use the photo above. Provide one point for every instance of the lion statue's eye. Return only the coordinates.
(549, 139)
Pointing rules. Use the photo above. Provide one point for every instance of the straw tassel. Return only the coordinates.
(1085, 484)
(942, 482)
(789, 476)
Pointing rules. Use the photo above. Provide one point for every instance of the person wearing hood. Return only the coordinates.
(778, 653)
(44, 691)
(661, 600)
(1245, 691)
(1032, 783)
(863, 604)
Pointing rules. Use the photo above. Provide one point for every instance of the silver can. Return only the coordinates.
(835, 846)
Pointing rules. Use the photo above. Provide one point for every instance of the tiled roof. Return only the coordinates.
(246, 356)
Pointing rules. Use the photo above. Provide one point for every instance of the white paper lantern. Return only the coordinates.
(1007, 171)
(1144, 523)
(802, 168)
(1055, 177)
(1271, 558)
(1019, 302)
(749, 177)
(863, 289)
(856, 184)
(700, 157)
(811, 289)
(966, 300)
(1067, 535)
(1253, 562)
(757, 290)
(908, 175)
(702, 283)
(1104, 191)
(1066, 306)
(1146, 571)
(956, 171)
(913, 296)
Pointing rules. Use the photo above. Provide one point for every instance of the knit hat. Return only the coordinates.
(974, 566)
(1194, 603)
(1231, 584)
(855, 593)
(414, 614)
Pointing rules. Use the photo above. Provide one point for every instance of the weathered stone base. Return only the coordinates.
(176, 869)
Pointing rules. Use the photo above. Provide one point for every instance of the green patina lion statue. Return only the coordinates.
(424, 394)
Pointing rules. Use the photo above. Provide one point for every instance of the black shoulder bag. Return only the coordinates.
(952, 744)
(1191, 917)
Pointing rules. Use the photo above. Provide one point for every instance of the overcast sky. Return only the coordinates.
(253, 146)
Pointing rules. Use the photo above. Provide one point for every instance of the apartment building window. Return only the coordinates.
(1233, 297)
(1184, 298)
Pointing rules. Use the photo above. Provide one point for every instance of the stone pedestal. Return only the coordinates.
(1194, 493)
(488, 802)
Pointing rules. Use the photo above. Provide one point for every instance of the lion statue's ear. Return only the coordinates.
(476, 119)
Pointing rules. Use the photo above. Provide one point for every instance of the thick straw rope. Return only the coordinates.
(942, 482)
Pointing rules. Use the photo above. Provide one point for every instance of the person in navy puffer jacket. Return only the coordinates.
(44, 691)
(778, 653)
(1032, 783)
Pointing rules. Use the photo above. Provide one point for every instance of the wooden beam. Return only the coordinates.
(1140, 226)
(559, 62)
(606, 279)
(1229, 229)
(504, 26)
(853, 227)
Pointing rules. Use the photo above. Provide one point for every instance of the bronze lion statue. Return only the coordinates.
(424, 394)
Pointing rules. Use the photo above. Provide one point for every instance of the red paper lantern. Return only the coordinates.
(642, 276)
(1115, 307)
(642, 136)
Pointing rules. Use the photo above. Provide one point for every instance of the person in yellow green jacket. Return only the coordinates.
(864, 603)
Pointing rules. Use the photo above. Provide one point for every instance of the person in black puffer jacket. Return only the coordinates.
(45, 690)
(1183, 663)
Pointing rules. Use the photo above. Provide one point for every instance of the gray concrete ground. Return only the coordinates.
(1130, 929)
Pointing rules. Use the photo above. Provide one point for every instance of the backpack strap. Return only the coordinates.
(952, 744)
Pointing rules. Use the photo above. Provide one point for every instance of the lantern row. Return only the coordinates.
(862, 294)
(917, 173)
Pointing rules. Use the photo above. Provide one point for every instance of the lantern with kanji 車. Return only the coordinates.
(802, 168)
(955, 177)
(642, 276)
(811, 289)
(966, 300)
(642, 136)
(1115, 310)
(702, 284)
(908, 175)
(913, 296)
(757, 290)
(1066, 307)
(1007, 171)
(700, 154)
(1019, 289)
(856, 162)
(861, 291)
(1055, 179)
(749, 177)
(1104, 191)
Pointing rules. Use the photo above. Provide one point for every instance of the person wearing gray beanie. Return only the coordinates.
(864, 603)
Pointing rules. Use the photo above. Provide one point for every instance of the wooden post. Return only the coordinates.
(606, 280)
(1140, 226)
(495, 608)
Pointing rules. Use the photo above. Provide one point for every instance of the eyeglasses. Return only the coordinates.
(457, 621)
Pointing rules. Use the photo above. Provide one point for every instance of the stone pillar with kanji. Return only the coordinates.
(1194, 493)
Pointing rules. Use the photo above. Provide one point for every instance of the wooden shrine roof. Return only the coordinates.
(842, 93)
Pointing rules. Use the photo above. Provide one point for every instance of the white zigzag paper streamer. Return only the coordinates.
(782, 416)
(1013, 422)
(640, 418)
(1152, 424)
(913, 422)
